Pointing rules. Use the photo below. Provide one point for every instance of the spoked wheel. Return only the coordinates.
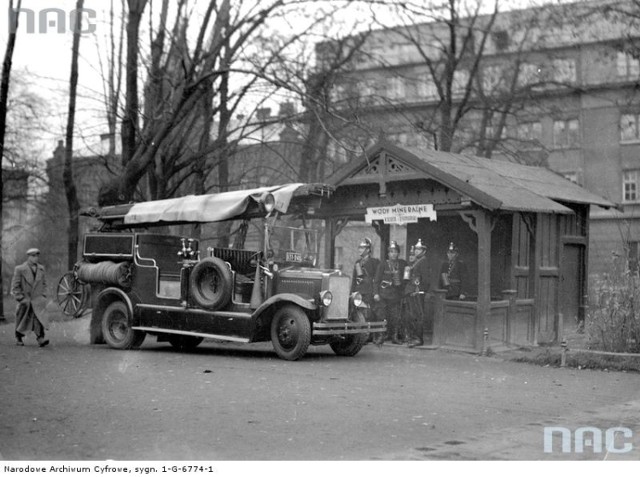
(290, 332)
(72, 295)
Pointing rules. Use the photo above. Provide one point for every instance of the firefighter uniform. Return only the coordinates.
(416, 294)
(389, 289)
(453, 274)
(364, 272)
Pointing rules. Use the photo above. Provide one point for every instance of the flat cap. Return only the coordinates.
(33, 251)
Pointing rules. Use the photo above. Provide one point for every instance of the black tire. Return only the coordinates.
(116, 328)
(211, 283)
(290, 332)
(350, 345)
(184, 342)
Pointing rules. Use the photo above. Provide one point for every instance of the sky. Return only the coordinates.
(45, 55)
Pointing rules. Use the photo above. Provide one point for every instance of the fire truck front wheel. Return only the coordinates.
(350, 345)
(290, 332)
(116, 329)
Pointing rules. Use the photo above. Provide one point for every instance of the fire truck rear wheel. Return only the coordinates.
(116, 329)
(290, 332)
(211, 283)
(350, 345)
(185, 343)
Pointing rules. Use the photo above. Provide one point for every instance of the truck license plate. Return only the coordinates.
(294, 257)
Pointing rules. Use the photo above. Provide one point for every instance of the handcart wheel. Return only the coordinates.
(72, 295)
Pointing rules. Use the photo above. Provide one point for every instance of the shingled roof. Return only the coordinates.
(491, 183)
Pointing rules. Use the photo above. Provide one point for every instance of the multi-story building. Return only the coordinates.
(555, 86)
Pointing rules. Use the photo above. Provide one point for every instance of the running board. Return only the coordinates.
(151, 329)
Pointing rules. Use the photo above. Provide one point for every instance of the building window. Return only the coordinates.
(460, 80)
(396, 88)
(529, 74)
(564, 71)
(492, 130)
(627, 66)
(630, 185)
(530, 131)
(566, 133)
(491, 78)
(426, 87)
(501, 39)
(629, 127)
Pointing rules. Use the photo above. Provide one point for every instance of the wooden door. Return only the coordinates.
(571, 284)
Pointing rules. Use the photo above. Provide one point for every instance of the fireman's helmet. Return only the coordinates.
(420, 246)
(453, 248)
(365, 243)
(394, 246)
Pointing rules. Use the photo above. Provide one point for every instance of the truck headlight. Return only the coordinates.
(326, 297)
(269, 203)
(356, 298)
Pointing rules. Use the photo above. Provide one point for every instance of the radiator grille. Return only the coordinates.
(303, 287)
(340, 289)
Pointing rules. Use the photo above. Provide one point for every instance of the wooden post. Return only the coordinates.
(483, 229)
(511, 313)
(439, 323)
(329, 243)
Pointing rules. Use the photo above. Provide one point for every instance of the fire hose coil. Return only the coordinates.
(107, 273)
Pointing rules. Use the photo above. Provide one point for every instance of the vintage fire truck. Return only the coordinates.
(168, 286)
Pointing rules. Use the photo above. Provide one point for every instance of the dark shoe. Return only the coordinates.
(43, 342)
(19, 342)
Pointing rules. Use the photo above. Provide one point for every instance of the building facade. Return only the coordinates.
(555, 86)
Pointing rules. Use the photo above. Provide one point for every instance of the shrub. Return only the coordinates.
(613, 321)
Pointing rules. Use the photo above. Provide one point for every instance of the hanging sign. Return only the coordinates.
(400, 214)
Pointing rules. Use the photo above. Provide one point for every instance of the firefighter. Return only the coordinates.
(388, 290)
(364, 272)
(453, 274)
(416, 295)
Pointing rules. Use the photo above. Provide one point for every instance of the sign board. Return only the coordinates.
(400, 214)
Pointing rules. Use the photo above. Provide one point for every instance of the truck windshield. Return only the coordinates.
(290, 246)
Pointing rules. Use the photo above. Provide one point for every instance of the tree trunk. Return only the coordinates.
(4, 97)
(73, 205)
(223, 144)
(130, 119)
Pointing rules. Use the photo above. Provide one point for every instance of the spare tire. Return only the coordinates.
(211, 283)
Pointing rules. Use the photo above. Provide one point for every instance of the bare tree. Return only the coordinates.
(4, 98)
(188, 75)
(73, 205)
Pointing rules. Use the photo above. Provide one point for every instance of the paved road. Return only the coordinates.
(239, 402)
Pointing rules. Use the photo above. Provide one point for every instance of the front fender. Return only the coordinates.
(102, 301)
(286, 297)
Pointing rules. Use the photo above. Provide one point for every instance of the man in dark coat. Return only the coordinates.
(416, 294)
(453, 274)
(364, 272)
(29, 288)
(388, 290)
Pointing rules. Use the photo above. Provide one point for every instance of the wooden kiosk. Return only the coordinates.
(521, 230)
